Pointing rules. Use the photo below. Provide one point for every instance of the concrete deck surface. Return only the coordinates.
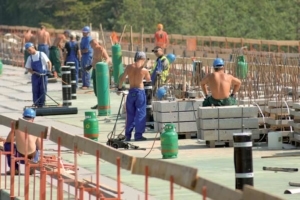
(215, 164)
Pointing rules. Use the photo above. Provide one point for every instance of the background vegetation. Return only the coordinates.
(257, 19)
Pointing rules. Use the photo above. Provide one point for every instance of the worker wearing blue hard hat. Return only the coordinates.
(39, 65)
(220, 84)
(136, 98)
(86, 57)
(33, 144)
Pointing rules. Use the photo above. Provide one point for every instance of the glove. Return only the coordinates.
(232, 95)
(88, 68)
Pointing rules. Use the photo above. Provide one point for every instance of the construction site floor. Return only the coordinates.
(215, 164)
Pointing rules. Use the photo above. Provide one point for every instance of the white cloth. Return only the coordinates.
(36, 57)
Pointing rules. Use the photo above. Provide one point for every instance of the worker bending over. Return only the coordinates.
(38, 64)
(219, 84)
(136, 99)
(33, 144)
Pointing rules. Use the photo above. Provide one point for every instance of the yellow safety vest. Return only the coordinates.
(165, 73)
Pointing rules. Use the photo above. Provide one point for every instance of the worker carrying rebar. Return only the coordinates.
(160, 70)
(220, 84)
(19, 137)
(39, 65)
(136, 98)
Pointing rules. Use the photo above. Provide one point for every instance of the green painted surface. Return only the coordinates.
(169, 142)
(91, 125)
(103, 97)
(118, 69)
(242, 68)
(1, 67)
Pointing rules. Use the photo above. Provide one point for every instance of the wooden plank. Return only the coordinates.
(227, 112)
(164, 170)
(107, 153)
(232, 123)
(225, 134)
(6, 121)
(250, 193)
(33, 128)
(67, 139)
(216, 191)
(282, 122)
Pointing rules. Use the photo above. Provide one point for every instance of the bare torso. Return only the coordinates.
(20, 142)
(28, 37)
(219, 84)
(136, 75)
(99, 55)
(43, 37)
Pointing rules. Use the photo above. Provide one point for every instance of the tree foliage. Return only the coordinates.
(264, 19)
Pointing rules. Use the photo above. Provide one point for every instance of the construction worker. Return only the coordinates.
(160, 70)
(56, 55)
(38, 64)
(33, 144)
(86, 57)
(219, 84)
(72, 53)
(136, 98)
(161, 38)
(28, 37)
(43, 40)
(99, 55)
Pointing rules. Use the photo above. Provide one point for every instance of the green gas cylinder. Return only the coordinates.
(242, 67)
(1, 67)
(169, 142)
(90, 125)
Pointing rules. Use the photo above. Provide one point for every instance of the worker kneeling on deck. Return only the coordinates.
(136, 99)
(219, 84)
(33, 144)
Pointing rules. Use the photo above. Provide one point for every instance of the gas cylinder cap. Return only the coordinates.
(169, 127)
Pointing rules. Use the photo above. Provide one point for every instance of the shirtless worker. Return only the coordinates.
(99, 55)
(136, 98)
(28, 37)
(219, 84)
(43, 40)
(56, 55)
(33, 145)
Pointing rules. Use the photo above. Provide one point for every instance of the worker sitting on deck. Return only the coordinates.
(160, 70)
(219, 84)
(33, 144)
(136, 98)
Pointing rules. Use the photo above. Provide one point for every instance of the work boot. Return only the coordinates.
(140, 139)
(94, 107)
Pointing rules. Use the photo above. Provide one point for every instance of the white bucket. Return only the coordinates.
(275, 140)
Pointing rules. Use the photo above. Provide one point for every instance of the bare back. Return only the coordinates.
(43, 37)
(28, 37)
(99, 55)
(59, 40)
(20, 142)
(219, 84)
(136, 75)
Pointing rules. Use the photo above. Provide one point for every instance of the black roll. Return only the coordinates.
(67, 95)
(148, 92)
(55, 111)
(74, 95)
(243, 161)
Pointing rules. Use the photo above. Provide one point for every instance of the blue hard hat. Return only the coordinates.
(161, 92)
(171, 57)
(218, 63)
(29, 113)
(28, 45)
(86, 29)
